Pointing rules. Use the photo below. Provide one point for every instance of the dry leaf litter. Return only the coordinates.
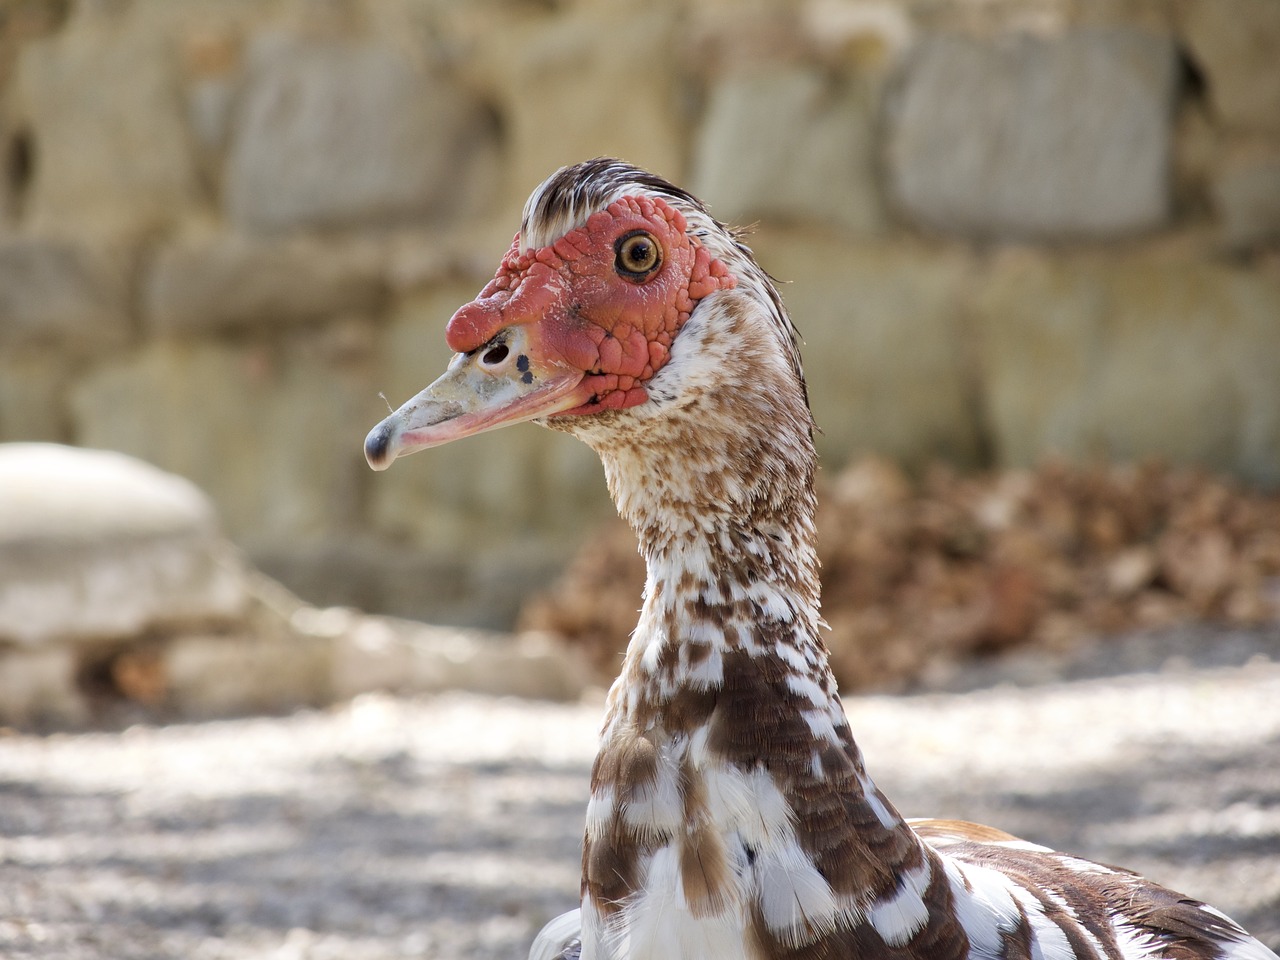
(920, 576)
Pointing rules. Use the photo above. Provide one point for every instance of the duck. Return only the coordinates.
(731, 814)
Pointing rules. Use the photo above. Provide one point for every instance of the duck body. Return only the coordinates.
(731, 814)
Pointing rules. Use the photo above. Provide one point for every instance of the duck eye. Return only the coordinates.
(637, 256)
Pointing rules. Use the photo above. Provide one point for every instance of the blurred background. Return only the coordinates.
(1007, 231)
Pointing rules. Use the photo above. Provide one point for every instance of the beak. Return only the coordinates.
(499, 384)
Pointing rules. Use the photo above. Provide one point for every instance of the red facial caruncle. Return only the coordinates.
(607, 298)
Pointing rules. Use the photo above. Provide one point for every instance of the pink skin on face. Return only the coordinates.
(585, 314)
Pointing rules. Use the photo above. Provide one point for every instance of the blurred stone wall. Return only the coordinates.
(1007, 228)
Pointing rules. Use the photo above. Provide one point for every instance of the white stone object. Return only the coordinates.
(95, 545)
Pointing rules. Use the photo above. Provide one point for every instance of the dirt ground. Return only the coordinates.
(448, 827)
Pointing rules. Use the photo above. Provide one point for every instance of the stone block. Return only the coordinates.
(217, 675)
(747, 164)
(101, 101)
(382, 653)
(97, 546)
(59, 290)
(351, 133)
(1234, 43)
(33, 388)
(594, 80)
(433, 579)
(886, 353)
(230, 282)
(1022, 136)
(1246, 197)
(38, 688)
(272, 431)
(1140, 356)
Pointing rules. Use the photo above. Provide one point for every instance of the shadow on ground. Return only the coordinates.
(450, 827)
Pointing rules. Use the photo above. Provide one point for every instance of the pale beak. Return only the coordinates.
(500, 384)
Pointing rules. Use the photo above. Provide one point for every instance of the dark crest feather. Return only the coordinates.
(588, 185)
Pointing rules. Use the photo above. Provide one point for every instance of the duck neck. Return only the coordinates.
(724, 739)
(738, 584)
(720, 496)
(726, 670)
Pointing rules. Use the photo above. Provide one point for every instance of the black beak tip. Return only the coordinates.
(377, 446)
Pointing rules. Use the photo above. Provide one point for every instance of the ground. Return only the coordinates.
(448, 827)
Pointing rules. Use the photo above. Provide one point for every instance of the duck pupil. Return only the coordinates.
(495, 354)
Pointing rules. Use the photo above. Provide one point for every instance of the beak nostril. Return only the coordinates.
(495, 355)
